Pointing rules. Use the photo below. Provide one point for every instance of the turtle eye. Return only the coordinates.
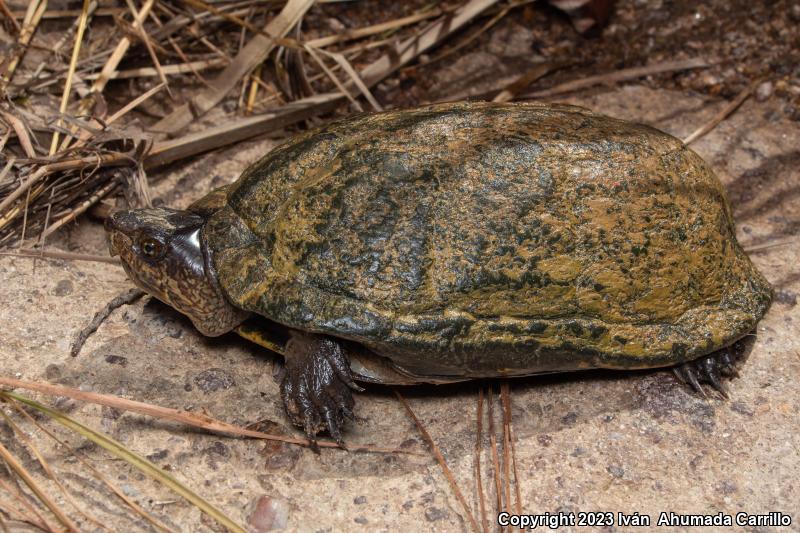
(151, 248)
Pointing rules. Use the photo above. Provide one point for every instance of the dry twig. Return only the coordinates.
(9, 16)
(524, 81)
(358, 33)
(722, 115)
(483, 29)
(116, 56)
(618, 76)
(125, 298)
(149, 45)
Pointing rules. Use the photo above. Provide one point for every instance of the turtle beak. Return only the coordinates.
(110, 224)
(124, 221)
(110, 227)
(116, 225)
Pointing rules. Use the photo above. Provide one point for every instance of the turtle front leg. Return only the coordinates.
(316, 388)
(714, 367)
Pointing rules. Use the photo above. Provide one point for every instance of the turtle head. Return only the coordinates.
(163, 253)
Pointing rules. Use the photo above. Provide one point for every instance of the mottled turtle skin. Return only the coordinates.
(459, 241)
(478, 240)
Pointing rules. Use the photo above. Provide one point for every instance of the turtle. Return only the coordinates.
(458, 241)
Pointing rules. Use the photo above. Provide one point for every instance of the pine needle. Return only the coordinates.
(333, 78)
(48, 502)
(88, 465)
(348, 68)
(495, 458)
(193, 419)
(133, 459)
(23, 437)
(254, 53)
(59, 255)
(29, 24)
(442, 463)
(81, 208)
(149, 45)
(506, 450)
(478, 450)
(251, 96)
(505, 390)
(76, 49)
(38, 520)
(358, 33)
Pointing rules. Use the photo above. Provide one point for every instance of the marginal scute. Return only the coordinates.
(480, 239)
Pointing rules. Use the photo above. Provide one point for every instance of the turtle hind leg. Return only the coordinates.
(316, 388)
(713, 369)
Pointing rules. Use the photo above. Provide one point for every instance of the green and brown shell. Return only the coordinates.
(479, 239)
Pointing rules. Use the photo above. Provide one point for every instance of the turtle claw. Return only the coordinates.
(709, 369)
(712, 368)
(316, 388)
(688, 374)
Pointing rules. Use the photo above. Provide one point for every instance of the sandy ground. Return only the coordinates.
(591, 442)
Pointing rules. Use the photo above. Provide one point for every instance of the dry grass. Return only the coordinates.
(181, 41)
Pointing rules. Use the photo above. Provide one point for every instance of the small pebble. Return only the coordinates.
(116, 360)
(569, 419)
(63, 288)
(764, 91)
(432, 514)
(336, 25)
(268, 514)
(786, 297)
(214, 379)
(616, 471)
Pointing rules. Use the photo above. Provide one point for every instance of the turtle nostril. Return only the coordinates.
(110, 224)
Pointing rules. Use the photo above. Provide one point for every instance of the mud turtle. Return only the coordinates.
(458, 241)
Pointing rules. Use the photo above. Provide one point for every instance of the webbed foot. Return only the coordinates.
(714, 368)
(316, 388)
